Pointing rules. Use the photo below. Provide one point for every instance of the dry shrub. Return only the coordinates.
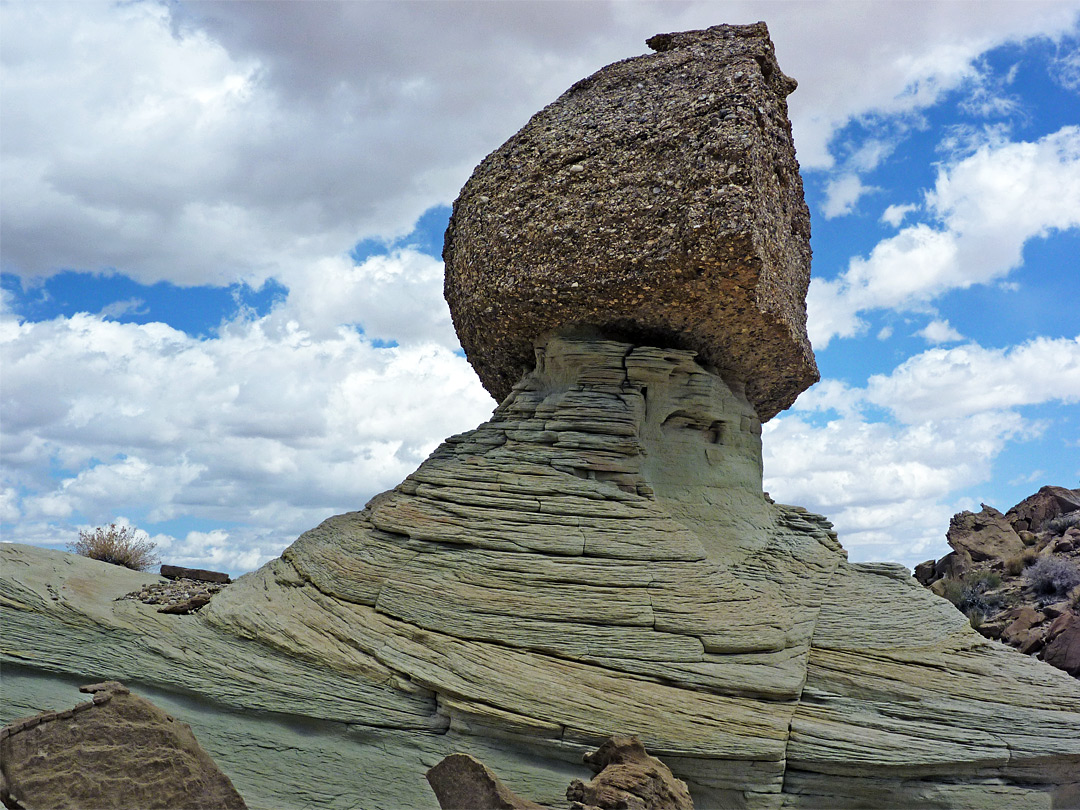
(1016, 565)
(969, 594)
(118, 545)
(1053, 576)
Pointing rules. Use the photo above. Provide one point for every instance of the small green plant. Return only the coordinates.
(119, 545)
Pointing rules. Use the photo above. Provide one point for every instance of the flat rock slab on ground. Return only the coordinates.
(115, 752)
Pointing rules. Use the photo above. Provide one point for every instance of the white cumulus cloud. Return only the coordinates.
(266, 428)
(890, 485)
(940, 331)
(986, 207)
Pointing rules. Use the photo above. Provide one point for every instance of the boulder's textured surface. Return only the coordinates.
(984, 535)
(1035, 512)
(462, 782)
(1017, 575)
(658, 200)
(115, 751)
(627, 778)
(597, 559)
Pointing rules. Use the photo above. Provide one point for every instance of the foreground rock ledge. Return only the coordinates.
(116, 751)
(659, 199)
(597, 559)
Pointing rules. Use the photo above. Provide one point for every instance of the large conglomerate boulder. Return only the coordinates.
(659, 201)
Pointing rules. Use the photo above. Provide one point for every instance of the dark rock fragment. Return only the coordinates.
(198, 574)
(462, 782)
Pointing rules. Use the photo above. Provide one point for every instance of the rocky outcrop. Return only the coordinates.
(1036, 512)
(983, 536)
(115, 751)
(659, 201)
(597, 558)
(627, 778)
(1017, 576)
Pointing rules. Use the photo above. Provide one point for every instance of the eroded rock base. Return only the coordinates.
(598, 558)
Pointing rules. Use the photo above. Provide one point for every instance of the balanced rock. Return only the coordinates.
(117, 751)
(599, 557)
(659, 201)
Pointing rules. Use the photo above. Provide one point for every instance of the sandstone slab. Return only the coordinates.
(116, 751)
(658, 200)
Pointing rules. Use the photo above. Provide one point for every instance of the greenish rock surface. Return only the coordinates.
(596, 559)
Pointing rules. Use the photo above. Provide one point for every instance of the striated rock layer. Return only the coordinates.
(597, 559)
(658, 199)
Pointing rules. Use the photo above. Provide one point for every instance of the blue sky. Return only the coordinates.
(221, 286)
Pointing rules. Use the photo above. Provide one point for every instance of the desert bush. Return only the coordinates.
(1052, 576)
(983, 580)
(1059, 524)
(970, 596)
(118, 545)
(1015, 565)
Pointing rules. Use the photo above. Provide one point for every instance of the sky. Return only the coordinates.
(221, 313)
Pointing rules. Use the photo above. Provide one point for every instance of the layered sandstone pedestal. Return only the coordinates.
(598, 558)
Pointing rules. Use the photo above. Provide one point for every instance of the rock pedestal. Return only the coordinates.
(597, 559)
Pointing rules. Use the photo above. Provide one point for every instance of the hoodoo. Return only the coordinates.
(627, 274)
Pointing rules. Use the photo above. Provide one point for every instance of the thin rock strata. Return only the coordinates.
(598, 557)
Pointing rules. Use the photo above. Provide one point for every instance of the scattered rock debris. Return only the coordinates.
(179, 596)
